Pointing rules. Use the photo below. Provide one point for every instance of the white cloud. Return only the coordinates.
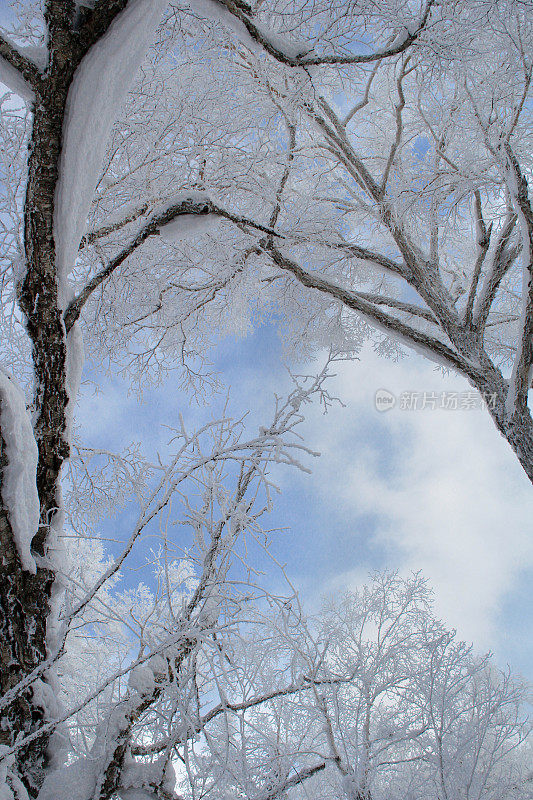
(437, 491)
(449, 495)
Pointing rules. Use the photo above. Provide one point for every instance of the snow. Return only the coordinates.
(136, 778)
(401, 38)
(14, 81)
(45, 696)
(37, 54)
(14, 789)
(96, 96)
(12, 78)
(75, 782)
(191, 195)
(187, 225)
(19, 491)
(82, 779)
(74, 369)
(5, 791)
(158, 665)
(217, 11)
(291, 50)
(143, 678)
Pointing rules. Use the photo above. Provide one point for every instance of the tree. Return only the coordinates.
(371, 699)
(436, 247)
(121, 155)
(139, 646)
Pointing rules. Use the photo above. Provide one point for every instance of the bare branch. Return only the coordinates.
(419, 273)
(501, 262)
(399, 107)
(391, 302)
(189, 205)
(105, 230)
(306, 683)
(364, 101)
(296, 779)
(521, 375)
(285, 177)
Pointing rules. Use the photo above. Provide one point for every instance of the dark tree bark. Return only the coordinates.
(25, 599)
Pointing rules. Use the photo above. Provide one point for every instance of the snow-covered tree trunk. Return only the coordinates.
(38, 294)
(26, 599)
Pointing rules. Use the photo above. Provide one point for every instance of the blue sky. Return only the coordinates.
(432, 490)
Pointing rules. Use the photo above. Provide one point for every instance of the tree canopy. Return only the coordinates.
(169, 172)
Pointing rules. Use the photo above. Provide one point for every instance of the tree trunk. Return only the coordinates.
(516, 428)
(25, 599)
(518, 431)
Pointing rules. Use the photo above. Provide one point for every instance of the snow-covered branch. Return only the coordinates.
(434, 348)
(19, 73)
(184, 213)
(297, 55)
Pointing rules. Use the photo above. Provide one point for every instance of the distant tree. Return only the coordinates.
(123, 660)
(372, 699)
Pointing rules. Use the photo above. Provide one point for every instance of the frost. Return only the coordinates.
(97, 93)
(19, 490)
(215, 10)
(187, 225)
